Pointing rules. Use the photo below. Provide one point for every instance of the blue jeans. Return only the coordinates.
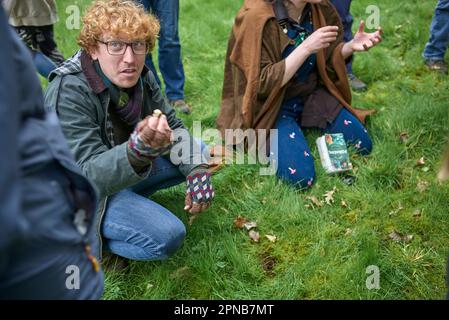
(138, 228)
(295, 160)
(439, 33)
(43, 64)
(169, 55)
(343, 7)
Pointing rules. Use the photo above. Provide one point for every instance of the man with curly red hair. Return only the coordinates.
(108, 103)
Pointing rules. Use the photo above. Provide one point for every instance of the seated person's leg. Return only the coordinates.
(295, 161)
(43, 64)
(48, 46)
(137, 228)
(353, 130)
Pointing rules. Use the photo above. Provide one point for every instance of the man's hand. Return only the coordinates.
(200, 192)
(155, 131)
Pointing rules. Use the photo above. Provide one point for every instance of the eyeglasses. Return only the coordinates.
(118, 47)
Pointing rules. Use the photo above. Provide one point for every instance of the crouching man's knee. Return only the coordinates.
(168, 242)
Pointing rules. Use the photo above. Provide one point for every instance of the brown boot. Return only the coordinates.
(356, 83)
(114, 263)
(437, 65)
(181, 105)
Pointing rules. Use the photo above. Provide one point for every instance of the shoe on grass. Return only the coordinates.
(356, 83)
(180, 105)
(437, 65)
(112, 262)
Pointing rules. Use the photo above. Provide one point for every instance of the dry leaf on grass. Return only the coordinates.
(239, 222)
(417, 213)
(399, 237)
(421, 162)
(344, 204)
(254, 235)
(193, 217)
(329, 196)
(315, 201)
(422, 186)
(250, 225)
(271, 238)
(403, 136)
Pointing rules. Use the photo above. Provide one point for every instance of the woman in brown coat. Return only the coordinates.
(285, 69)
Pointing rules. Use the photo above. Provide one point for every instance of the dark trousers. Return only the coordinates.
(343, 7)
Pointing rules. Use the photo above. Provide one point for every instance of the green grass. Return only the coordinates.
(321, 253)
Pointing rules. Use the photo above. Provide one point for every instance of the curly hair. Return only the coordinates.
(117, 17)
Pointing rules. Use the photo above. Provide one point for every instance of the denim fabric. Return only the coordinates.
(343, 8)
(138, 228)
(439, 33)
(295, 161)
(169, 55)
(43, 64)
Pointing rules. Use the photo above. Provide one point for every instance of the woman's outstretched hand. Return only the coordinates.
(363, 41)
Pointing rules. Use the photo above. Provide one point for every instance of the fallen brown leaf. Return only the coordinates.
(240, 221)
(329, 196)
(250, 225)
(193, 217)
(344, 204)
(403, 136)
(417, 213)
(422, 186)
(254, 235)
(315, 201)
(421, 162)
(399, 237)
(271, 238)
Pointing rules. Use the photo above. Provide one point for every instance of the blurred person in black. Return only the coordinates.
(46, 205)
(34, 21)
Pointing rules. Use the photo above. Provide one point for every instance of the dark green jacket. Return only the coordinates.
(83, 116)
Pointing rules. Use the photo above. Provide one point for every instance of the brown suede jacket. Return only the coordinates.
(252, 93)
